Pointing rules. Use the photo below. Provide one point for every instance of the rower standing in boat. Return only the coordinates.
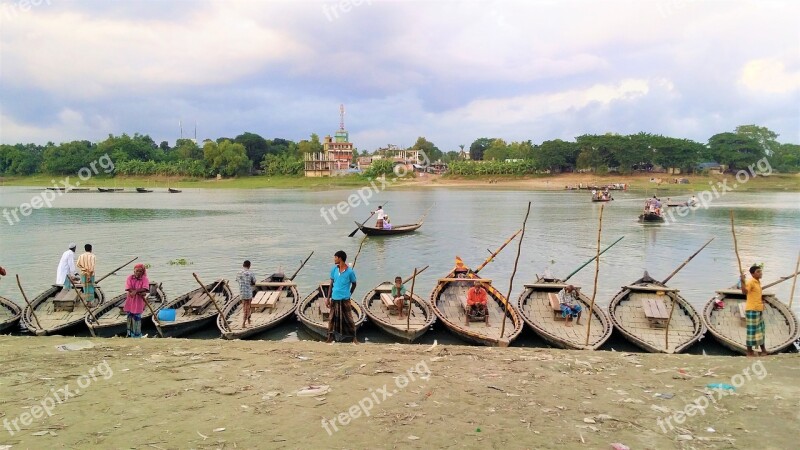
(86, 265)
(399, 295)
(754, 310)
(137, 285)
(381, 215)
(246, 281)
(343, 284)
(66, 267)
(570, 307)
(477, 302)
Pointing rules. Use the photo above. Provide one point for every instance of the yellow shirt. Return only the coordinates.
(754, 300)
(86, 263)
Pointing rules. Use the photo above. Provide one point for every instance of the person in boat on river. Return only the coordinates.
(343, 284)
(381, 214)
(137, 286)
(477, 305)
(246, 281)
(387, 225)
(570, 306)
(399, 295)
(86, 265)
(66, 267)
(754, 309)
(692, 201)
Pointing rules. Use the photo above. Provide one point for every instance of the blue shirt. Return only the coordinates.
(341, 283)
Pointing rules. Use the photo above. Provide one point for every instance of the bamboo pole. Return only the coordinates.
(114, 271)
(496, 252)
(781, 280)
(686, 262)
(213, 300)
(736, 246)
(153, 312)
(593, 258)
(514, 272)
(416, 272)
(794, 282)
(301, 266)
(421, 219)
(33, 313)
(85, 305)
(411, 299)
(596, 275)
(359, 252)
(669, 319)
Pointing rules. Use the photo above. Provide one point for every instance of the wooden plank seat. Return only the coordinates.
(388, 302)
(555, 305)
(197, 304)
(65, 300)
(656, 312)
(742, 314)
(472, 318)
(265, 300)
(482, 280)
(324, 310)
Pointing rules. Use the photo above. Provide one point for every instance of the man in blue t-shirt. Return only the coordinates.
(343, 283)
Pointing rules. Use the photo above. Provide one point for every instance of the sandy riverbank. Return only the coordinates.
(176, 393)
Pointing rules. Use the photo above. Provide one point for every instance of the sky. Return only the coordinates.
(451, 71)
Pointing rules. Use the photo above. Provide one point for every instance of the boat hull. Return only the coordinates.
(400, 229)
(309, 316)
(422, 315)
(112, 323)
(55, 322)
(264, 320)
(651, 218)
(186, 323)
(11, 314)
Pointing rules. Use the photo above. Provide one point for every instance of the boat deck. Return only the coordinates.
(630, 313)
(419, 317)
(728, 323)
(450, 306)
(538, 310)
(284, 306)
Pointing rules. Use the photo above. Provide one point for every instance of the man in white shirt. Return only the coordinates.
(381, 215)
(66, 267)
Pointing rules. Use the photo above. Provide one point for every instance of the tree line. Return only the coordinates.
(250, 153)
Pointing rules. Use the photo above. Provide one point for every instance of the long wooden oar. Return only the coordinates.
(362, 223)
(115, 271)
(797, 266)
(411, 299)
(421, 219)
(213, 300)
(514, 272)
(781, 280)
(33, 313)
(153, 312)
(496, 252)
(686, 262)
(596, 275)
(301, 266)
(85, 305)
(593, 258)
(736, 246)
(359, 252)
(416, 272)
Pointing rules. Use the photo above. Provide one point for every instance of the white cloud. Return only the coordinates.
(70, 125)
(769, 76)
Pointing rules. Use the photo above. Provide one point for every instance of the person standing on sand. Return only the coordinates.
(86, 265)
(343, 284)
(246, 281)
(137, 285)
(754, 310)
(66, 267)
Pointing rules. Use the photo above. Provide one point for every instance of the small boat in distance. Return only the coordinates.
(651, 217)
(10, 313)
(110, 189)
(399, 229)
(174, 191)
(143, 190)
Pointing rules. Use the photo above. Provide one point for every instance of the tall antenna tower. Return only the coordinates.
(341, 117)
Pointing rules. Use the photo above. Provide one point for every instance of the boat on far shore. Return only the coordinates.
(143, 190)
(174, 191)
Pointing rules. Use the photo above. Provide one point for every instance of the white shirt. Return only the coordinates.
(381, 214)
(66, 267)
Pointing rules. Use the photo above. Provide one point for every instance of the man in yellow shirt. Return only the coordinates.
(86, 264)
(754, 310)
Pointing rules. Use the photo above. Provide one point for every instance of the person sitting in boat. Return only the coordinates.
(381, 214)
(570, 306)
(477, 303)
(387, 225)
(399, 295)
(692, 201)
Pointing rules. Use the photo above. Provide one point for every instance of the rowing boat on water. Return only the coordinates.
(143, 190)
(641, 311)
(10, 313)
(311, 315)
(113, 321)
(543, 315)
(651, 217)
(194, 309)
(274, 301)
(384, 314)
(449, 298)
(396, 229)
(174, 191)
(727, 324)
(58, 311)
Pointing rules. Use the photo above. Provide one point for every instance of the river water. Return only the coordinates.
(215, 230)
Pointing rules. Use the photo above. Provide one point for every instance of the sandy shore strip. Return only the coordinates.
(179, 393)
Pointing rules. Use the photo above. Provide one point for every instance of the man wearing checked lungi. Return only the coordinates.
(754, 310)
(342, 325)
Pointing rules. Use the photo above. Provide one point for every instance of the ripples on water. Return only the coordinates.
(217, 229)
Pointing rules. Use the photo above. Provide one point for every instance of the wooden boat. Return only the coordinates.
(543, 315)
(194, 310)
(310, 315)
(449, 296)
(10, 313)
(174, 191)
(110, 189)
(422, 315)
(113, 321)
(651, 217)
(727, 325)
(52, 310)
(274, 302)
(143, 190)
(602, 199)
(641, 310)
(396, 229)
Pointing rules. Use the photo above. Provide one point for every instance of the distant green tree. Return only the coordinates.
(786, 158)
(379, 167)
(734, 150)
(765, 137)
(254, 145)
(188, 149)
(20, 159)
(68, 158)
(556, 155)
(478, 147)
(226, 158)
(312, 145)
(424, 145)
(497, 151)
